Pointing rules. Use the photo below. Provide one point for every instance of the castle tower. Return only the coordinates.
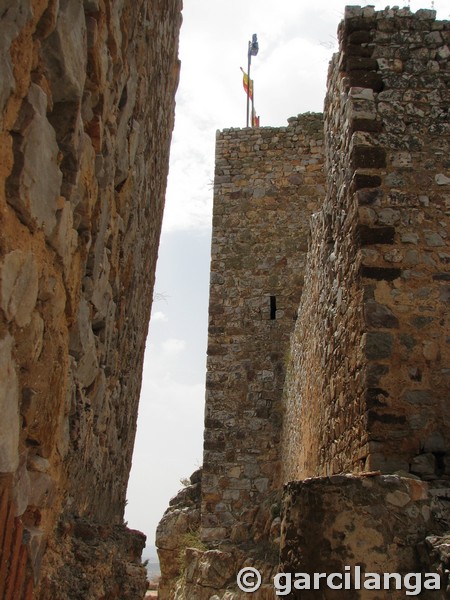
(268, 182)
(369, 382)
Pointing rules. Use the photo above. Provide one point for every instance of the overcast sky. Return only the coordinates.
(296, 41)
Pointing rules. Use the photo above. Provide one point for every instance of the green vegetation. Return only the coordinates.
(191, 539)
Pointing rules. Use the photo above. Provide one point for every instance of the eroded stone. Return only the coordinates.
(19, 286)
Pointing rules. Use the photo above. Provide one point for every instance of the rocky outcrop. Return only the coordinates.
(100, 561)
(178, 530)
(86, 115)
(190, 570)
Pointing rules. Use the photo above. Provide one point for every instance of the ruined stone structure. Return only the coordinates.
(86, 114)
(357, 397)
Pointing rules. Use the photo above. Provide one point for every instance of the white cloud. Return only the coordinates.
(159, 316)
(296, 41)
(173, 347)
(168, 447)
(170, 433)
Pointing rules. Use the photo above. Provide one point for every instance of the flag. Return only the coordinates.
(253, 46)
(245, 82)
(255, 119)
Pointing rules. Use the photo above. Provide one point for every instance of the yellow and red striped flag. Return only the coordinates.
(245, 82)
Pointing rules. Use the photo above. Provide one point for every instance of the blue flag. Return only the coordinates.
(253, 46)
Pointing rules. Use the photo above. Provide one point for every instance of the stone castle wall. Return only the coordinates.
(86, 115)
(369, 377)
(367, 364)
(267, 183)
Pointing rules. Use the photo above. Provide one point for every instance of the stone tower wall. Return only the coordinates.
(267, 183)
(369, 379)
(86, 114)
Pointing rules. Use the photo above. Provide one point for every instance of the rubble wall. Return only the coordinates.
(86, 114)
(369, 375)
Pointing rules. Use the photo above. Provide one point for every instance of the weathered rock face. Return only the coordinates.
(86, 115)
(370, 371)
(178, 529)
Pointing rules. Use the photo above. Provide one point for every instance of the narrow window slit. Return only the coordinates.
(273, 308)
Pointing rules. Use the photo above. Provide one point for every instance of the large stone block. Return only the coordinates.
(34, 186)
(82, 346)
(14, 15)
(65, 52)
(19, 286)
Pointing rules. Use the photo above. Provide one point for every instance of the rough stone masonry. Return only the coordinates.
(373, 395)
(86, 115)
(328, 351)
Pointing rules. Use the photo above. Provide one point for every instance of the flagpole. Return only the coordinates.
(249, 80)
(252, 49)
(253, 103)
